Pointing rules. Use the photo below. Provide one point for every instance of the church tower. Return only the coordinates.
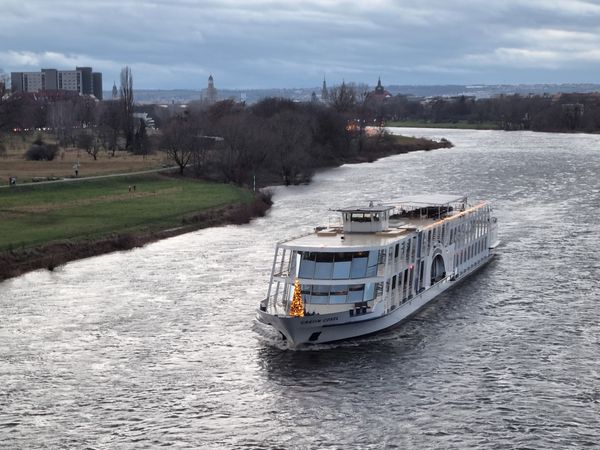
(324, 91)
(379, 89)
(210, 94)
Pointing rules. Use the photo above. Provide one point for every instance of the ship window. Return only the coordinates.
(356, 292)
(394, 282)
(355, 296)
(358, 268)
(309, 256)
(323, 270)
(319, 289)
(341, 270)
(345, 256)
(340, 289)
(307, 269)
(361, 217)
(319, 299)
(373, 257)
(324, 257)
(369, 291)
(337, 299)
(397, 250)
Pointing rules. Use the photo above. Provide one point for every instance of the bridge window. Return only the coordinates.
(338, 266)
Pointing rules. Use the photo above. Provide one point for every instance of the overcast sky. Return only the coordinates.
(257, 44)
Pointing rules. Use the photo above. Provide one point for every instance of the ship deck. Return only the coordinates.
(331, 237)
(334, 237)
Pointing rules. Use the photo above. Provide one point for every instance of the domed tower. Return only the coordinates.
(210, 94)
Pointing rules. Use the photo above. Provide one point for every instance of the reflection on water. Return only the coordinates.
(158, 346)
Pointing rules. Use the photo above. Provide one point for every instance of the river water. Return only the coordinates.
(158, 347)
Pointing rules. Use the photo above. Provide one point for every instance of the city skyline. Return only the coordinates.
(262, 44)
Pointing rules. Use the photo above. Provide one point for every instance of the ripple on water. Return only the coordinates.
(158, 346)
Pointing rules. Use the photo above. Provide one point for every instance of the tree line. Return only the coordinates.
(273, 141)
(559, 113)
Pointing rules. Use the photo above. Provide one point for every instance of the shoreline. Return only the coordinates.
(444, 125)
(14, 263)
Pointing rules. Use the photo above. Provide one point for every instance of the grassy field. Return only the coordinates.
(33, 215)
(455, 125)
(14, 162)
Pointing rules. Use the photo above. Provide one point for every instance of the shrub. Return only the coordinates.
(40, 151)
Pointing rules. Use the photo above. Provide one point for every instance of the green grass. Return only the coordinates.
(35, 215)
(458, 125)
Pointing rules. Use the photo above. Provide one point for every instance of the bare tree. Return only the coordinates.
(61, 118)
(246, 145)
(109, 124)
(126, 93)
(343, 97)
(292, 140)
(88, 141)
(181, 138)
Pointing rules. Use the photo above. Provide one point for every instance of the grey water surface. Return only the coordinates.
(158, 346)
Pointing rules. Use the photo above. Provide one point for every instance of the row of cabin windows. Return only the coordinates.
(467, 253)
(403, 281)
(405, 250)
(329, 294)
(478, 221)
(338, 266)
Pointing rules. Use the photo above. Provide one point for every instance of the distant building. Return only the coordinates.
(69, 80)
(324, 91)
(50, 79)
(209, 95)
(144, 117)
(86, 80)
(379, 94)
(97, 85)
(115, 91)
(81, 80)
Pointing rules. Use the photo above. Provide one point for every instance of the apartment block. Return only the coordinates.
(81, 80)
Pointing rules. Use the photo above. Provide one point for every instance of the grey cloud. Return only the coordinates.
(255, 43)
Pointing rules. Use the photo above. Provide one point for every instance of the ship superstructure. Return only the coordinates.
(380, 265)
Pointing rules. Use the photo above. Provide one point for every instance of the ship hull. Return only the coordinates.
(324, 328)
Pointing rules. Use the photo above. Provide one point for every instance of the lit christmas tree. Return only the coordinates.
(297, 306)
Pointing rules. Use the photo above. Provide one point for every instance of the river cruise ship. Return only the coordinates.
(380, 265)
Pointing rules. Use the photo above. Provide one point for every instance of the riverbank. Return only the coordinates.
(390, 144)
(47, 226)
(460, 125)
(374, 147)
